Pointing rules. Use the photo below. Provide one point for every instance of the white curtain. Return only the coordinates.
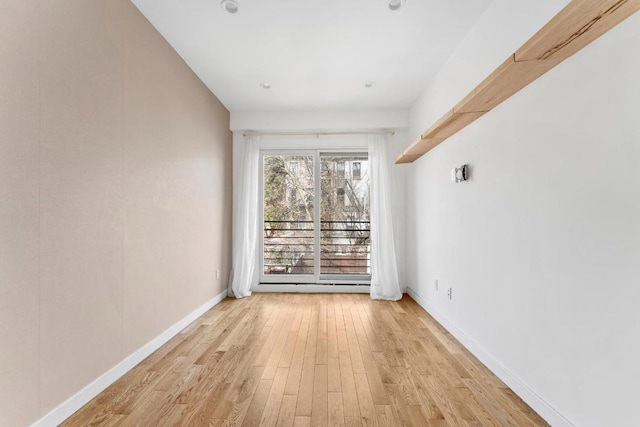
(384, 271)
(245, 220)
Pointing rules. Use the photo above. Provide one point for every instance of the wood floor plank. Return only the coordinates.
(416, 416)
(301, 421)
(509, 399)
(116, 399)
(373, 375)
(237, 405)
(368, 328)
(322, 320)
(343, 342)
(279, 346)
(312, 337)
(242, 377)
(272, 407)
(301, 360)
(297, 320)
(384, 416)
(239, 335)
(428, 402)
(202, 414)
(99, 420)
(276, 327)
(406, 385)
(338, 310)
(397, 404)
(438, 390)
(357, 363)
(348, 385)
(348, 325)
(386, 374)
(365, 401)
(146, 409)
(332, 332)
(336, 409)
(297, 360)
(352, 422)
(319, 412)
(305, 391)
(322, 354)
(127, 394)
(287, 411)
(481, 414)
(256, 408)
(210, 379)
(333, 374)
(289, 348)
(503, 418)
(170, 398)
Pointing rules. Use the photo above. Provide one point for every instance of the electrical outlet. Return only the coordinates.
(436, 284)
(218, 273)
(449, 293)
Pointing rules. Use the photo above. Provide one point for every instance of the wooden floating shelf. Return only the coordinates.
(574, 27)
(577, 25)
(507, 79)
(451, 123)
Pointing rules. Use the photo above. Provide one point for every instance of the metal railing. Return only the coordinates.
(345, 247)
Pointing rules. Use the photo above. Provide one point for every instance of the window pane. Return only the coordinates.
(288, 215)
(356, 170)
(344, 215)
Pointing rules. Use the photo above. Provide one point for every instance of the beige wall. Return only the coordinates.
(115, 195)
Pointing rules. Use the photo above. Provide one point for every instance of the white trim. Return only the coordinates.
(542, 407)
(310, 142)
(319, 133)
(317, 202)
(81, 398)
(313, 289)
(317, 277)
(320, 120)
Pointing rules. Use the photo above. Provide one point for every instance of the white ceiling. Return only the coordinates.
(316, 54)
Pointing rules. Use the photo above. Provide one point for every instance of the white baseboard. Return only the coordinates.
(78, 400)
(546, 411)
(314, 289)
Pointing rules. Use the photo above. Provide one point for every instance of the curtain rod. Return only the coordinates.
(317, 134)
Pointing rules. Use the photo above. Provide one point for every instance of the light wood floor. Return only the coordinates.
(309, 360)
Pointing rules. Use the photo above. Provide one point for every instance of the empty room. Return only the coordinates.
(319, 213)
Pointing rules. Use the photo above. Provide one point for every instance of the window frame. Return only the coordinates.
(316, 277)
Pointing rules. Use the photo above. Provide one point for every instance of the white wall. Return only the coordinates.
(542, 246)
(302, 121)
(330, 121)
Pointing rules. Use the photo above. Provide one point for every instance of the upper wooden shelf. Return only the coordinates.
(574, 27)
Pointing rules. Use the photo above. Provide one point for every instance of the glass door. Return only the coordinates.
(344, 217)
(289, 232)
(308, 242)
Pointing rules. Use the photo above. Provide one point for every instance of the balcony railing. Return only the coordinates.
(345, 247)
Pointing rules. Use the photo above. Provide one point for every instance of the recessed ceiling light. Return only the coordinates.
(396, 4)
(265, 85)
(230, 6)
(369, 84)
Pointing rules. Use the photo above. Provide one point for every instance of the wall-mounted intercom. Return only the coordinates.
(460, 174)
